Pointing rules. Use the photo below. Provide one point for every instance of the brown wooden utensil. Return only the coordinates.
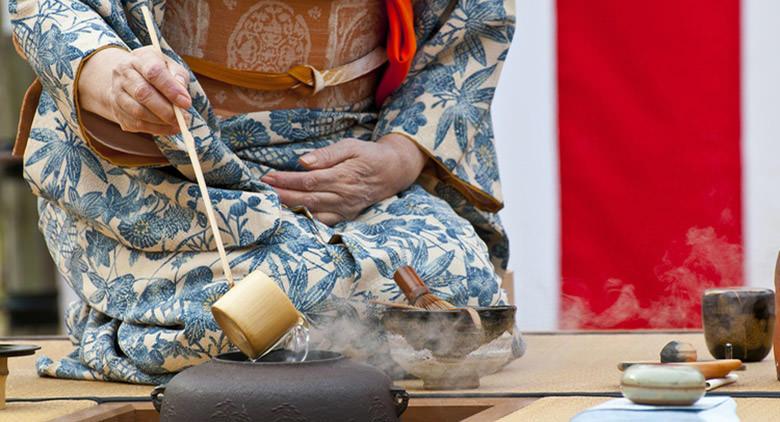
(417, 292)
(719, 368)
(776, 335)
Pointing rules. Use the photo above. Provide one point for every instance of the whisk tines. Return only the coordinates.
(417, 292)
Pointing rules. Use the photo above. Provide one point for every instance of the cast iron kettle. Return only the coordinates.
(325, 387)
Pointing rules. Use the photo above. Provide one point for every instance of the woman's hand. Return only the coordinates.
(349, 176)
(134, 89)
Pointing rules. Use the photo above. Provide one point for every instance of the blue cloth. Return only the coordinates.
(707, 409)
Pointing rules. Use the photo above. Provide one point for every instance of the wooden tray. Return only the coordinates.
(420, 410)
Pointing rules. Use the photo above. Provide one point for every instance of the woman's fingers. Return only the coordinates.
(307, 181)
(136, 87)
(133, 110)
(181, 74)
(143, 88)
(314, 201)
(166, 77)
(327, 207)
(337, 192)
(131, 124)
(332, 154)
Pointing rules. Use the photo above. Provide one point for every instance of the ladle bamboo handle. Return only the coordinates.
(189, 143)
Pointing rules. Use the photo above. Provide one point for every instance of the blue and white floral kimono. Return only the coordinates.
(134, 243)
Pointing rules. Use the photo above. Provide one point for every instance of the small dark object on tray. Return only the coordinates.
(678, 351)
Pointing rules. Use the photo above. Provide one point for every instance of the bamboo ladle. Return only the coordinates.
(254, 314)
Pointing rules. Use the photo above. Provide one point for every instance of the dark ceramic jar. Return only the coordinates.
(326, 387)
(743, 317)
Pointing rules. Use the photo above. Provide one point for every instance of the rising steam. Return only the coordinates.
(712, 262)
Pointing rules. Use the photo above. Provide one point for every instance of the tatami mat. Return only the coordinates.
(577, 363)
(553, 409)
(42, 411)
(588, 363)
(23, 382)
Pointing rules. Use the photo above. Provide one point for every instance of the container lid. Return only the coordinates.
(663, 376)
(13, 350)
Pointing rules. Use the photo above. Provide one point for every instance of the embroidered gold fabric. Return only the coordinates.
(275, 36)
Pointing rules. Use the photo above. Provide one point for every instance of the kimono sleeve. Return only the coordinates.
(56, 37)
(444, 103)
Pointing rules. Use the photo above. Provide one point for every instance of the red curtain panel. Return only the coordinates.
(650, 168)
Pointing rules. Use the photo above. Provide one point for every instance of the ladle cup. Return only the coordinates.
(254, 314)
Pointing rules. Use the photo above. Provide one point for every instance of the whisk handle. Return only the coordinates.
(410, 283)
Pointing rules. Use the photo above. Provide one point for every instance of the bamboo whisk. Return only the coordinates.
(417, 292)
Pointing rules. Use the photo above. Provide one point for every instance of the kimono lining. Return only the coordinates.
(481, 199)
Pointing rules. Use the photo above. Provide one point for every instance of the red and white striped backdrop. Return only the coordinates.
(639, 144)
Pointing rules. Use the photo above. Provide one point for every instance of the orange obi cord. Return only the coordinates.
(401, 47)
(261, 81)
(304, 79)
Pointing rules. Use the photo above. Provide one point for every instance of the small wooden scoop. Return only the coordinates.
(710, 369)
(255, 314)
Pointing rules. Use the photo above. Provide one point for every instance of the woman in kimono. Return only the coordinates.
(328, 168)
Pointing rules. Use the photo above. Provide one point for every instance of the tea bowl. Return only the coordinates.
(447, 350)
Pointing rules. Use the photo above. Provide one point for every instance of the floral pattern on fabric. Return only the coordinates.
(134, 243)
(444, 105)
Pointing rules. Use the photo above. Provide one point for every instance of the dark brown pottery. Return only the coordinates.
(742, 317)
(776, 337)
(326, 387)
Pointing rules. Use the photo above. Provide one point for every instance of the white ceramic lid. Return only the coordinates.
(663, 376)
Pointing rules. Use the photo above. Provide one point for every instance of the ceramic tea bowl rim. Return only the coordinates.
(334, 357)
(497, 308)
(746, 289)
